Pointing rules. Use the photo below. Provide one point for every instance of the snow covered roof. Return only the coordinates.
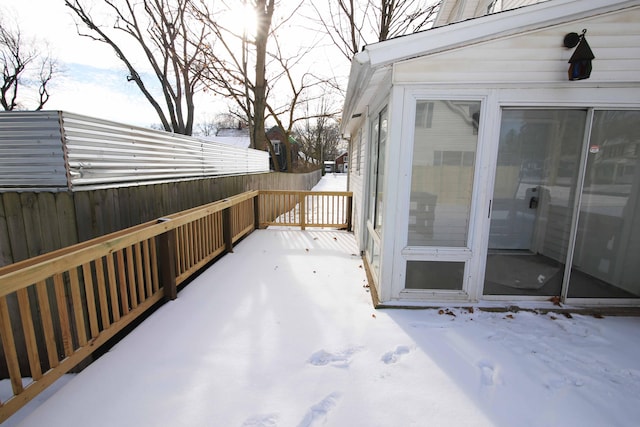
(240, 141)
(371, 68)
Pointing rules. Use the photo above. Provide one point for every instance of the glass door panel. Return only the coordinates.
(533, 201)
(606, 259)
(444, 152)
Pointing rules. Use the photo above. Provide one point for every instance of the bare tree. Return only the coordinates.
(233, 119)
(230, 72)
(264, 83)
(301, 90)
(170, 41)
(319, 137)
(352, 24)
(264, 13)
(206, 128)
(24, 65)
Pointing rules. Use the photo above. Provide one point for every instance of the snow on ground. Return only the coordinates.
(332, 182)
(281, 332)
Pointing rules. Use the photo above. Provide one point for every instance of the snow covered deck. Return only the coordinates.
(282, 332)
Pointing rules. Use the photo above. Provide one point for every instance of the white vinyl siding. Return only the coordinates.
(458, 10)
(536, 56)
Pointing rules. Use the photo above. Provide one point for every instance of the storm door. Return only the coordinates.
(533, 203)
(440, 207)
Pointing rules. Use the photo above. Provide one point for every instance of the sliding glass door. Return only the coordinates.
(606, 260)
(549, 209)
(533, 201)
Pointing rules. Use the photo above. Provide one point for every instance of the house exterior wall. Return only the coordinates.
(458, 10)
(537, 56)
(512, 4)
(525, 70)
(342, 163)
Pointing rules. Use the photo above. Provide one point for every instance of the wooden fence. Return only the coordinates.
(34, 223)
(71, 301)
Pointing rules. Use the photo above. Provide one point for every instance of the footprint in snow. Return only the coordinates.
(267, 420)
(320, 410)
(395, 355)
(431, 325)
(557, 381)
(488, 375)
(341, 359)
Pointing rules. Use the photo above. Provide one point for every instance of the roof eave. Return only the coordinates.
(488, 27)
(516, 21)
(359, 77)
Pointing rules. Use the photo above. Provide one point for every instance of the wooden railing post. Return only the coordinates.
(256, 212)
(227, 231)
(303, 210)
(167, 261)
(349, 211)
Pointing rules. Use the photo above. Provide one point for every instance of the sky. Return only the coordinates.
(93, 81)
(295, 341)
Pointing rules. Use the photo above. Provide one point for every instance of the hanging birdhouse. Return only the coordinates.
(580, 61)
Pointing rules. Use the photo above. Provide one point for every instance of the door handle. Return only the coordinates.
(533, 203)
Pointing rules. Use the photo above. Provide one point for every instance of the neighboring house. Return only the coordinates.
(342, 163)
(481, 172)
(329, 166)
(240, 137)
(237, 137)
(276, 136)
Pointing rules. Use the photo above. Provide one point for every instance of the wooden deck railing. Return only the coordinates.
(58, 308)
(306, 209)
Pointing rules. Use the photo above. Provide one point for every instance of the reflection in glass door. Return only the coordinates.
(607, 250)
(533, 201)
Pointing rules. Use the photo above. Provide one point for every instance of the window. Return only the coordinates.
(379, 139)
(442, 173)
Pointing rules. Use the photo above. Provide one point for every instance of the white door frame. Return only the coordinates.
(402, 181)
(493, 100)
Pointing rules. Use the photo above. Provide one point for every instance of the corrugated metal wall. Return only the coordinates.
(31, 153)
(60, 151)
